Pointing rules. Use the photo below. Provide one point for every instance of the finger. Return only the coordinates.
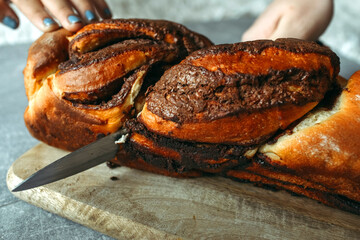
(264, 25)
(86, 10)
(287, 29)
(308, 25)
(63, 11)
(294, 27)
(8, 16)
(35, 12)
(102, 9)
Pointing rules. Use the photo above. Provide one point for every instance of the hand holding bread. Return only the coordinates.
(304, 19)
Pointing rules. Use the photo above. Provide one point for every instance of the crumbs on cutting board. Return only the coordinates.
(113, 178)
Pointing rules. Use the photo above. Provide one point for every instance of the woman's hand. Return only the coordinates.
(48, 14)
(304, 19)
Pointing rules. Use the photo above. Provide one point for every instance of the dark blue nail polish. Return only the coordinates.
(107, 12)
(10, 22)
(89, 15)
(48, 22)
(73, 19)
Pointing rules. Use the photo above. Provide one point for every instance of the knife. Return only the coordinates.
(80, 160)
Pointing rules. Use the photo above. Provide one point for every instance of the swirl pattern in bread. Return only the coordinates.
(84, 86)
(240, 93)
(212, 111)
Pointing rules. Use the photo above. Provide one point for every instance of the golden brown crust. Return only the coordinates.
(330, 147)
(320, 158)
(240, 93)
(261, 63)
(346, 196)
(96, 73)
(57, 123)
(77, 96)
(225, 80)
(44, 57)
(93, 35)
(243, 129)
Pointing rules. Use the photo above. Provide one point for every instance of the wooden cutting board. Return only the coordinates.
(131, 204)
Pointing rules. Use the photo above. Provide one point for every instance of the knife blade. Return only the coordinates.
(80, 160)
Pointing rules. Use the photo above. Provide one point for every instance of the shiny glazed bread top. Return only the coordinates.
(240, 93)
(84, 86)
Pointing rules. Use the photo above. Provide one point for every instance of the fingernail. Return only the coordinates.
(89, 15)
(107, 12)
(10, 22)
(73, 19)
(48, 22)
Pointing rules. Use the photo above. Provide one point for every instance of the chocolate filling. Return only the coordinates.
(168, 43)
(327, 103)
(193, 155)
(185, 91)
(187, 40)
(116, 92)
(121, 91)
(114, 86)
(111, 51)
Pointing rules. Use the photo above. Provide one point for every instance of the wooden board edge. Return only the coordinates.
(122, 222)
(121, 228)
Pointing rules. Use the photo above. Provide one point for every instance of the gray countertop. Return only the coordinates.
(20, 220)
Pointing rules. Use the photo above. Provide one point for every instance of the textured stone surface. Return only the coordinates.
(19, 220)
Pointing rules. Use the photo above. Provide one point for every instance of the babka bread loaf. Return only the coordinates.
(268, 112)
(213, 110)
(81, 87)
(319, 157)
(316, 155)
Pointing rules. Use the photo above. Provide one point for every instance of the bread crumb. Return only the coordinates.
(122, 139)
